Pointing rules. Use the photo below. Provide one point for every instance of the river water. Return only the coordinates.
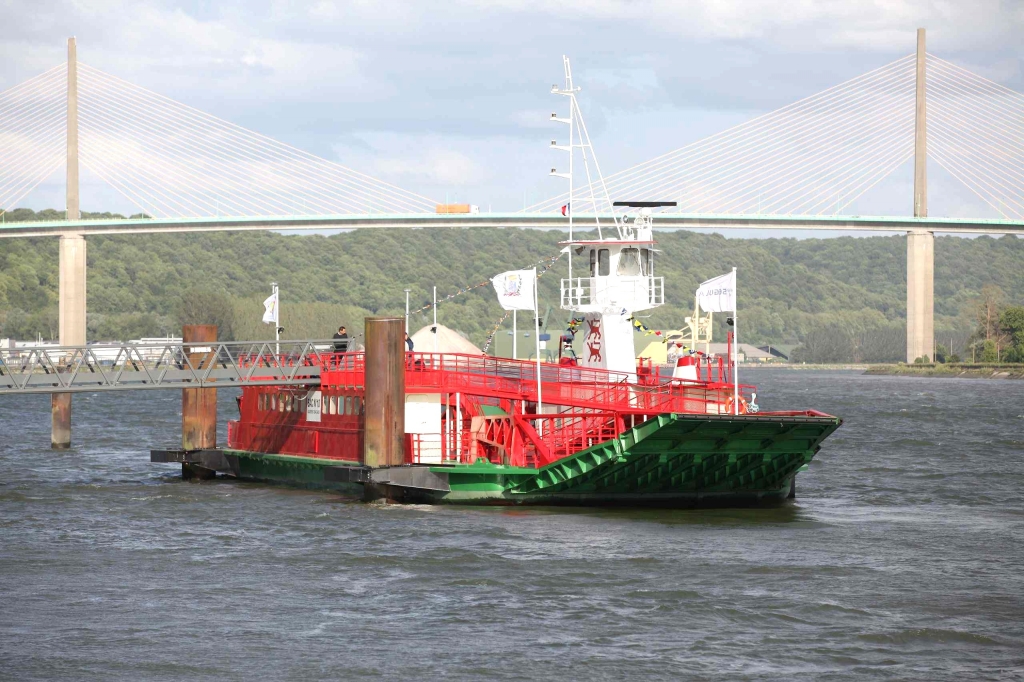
(902, 557)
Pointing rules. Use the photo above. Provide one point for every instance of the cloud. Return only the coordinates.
(413, 160)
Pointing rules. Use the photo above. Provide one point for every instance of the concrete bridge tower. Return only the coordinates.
(920, 243)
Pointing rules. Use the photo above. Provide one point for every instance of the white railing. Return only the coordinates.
(633, 293)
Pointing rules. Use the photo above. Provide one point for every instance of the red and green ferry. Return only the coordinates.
(475, 436)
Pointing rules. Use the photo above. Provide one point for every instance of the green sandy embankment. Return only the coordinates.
(954, 370)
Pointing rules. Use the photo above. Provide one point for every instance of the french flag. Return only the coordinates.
(565, 210)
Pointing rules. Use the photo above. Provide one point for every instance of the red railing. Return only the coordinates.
(593, 405)
(560, 384)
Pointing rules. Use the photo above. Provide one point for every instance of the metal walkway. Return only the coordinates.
(131, 366)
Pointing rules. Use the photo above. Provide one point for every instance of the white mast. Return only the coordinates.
(578, 131)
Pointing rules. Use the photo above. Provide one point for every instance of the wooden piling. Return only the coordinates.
(384, 432)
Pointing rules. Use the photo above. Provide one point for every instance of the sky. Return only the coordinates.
(452, 100)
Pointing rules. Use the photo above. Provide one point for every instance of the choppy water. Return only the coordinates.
(902, 558)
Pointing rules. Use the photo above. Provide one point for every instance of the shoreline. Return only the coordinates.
(951, 371)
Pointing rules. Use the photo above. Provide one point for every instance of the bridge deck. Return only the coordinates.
(526, 220)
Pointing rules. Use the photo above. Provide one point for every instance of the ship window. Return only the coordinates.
(645, 260)
(602, 263)
(355, 405)
(332, 405)
(280, 403)
(287, 403)
(629, 263)
(593, 262)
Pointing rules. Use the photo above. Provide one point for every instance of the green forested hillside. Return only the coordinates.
(788, 288)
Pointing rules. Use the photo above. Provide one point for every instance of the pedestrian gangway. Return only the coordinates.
(174, 364)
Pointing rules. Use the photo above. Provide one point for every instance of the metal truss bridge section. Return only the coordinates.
(132, 366)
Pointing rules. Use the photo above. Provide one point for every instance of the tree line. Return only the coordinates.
(839, 299)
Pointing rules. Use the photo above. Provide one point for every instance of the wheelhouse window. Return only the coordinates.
(603, 268)
(593, 262)
(645, 260)
(629, 263)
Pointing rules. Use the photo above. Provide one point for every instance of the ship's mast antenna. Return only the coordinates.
(579, 138)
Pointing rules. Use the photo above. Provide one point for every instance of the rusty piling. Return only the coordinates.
(384, 434)
(198, 405)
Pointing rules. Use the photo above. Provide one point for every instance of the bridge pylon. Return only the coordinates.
(920, 243)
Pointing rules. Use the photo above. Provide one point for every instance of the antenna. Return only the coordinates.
(579, 138)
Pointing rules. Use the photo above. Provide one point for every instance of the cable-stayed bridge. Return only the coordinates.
(799, 167)
(812, 158)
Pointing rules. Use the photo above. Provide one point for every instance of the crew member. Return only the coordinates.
(408, 342)
(341, 340)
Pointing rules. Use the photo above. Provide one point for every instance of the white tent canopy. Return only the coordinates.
(448, 341)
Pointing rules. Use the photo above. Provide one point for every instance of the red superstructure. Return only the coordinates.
(463, 407)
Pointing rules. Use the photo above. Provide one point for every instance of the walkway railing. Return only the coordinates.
(132, 366)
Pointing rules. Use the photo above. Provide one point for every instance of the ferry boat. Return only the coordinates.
(599, 429)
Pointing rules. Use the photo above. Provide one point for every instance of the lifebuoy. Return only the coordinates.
(729, 405)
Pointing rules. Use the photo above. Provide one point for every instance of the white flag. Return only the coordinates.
(517, 289)
(270, 314)
(719, 294)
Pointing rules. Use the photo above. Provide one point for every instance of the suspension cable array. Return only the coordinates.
(814, 156)
(176, 161)
(976, 133)
(33, 117)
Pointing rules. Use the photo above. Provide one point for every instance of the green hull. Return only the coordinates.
(673, 460)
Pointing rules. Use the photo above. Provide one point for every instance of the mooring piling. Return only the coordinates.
(384, 437)
(198, 405)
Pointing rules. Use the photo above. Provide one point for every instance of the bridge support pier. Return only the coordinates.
(920, 294)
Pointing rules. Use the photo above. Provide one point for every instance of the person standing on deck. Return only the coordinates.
(408, 342)
(341, 340)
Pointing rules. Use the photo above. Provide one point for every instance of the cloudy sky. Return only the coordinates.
(452, 99)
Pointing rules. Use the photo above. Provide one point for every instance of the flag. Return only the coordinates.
(516, 289)
(270, 312)
(719, 294)
(565, 210)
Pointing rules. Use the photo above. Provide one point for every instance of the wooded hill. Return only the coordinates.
(787, 287)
